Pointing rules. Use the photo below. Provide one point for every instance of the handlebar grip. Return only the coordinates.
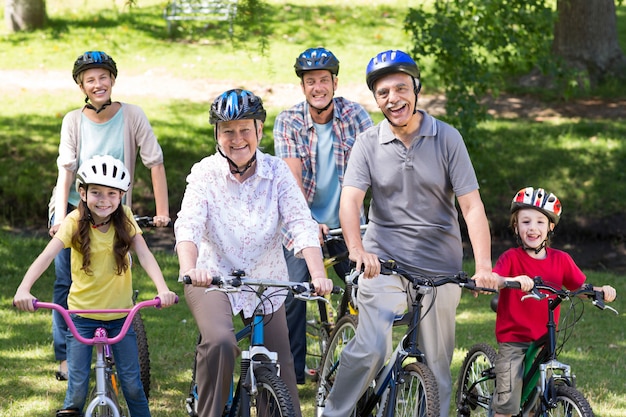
(512, 284)
(214, 280)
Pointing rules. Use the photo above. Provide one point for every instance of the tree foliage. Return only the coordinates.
(476, 45)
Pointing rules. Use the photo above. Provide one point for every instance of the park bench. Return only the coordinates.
(200, 10)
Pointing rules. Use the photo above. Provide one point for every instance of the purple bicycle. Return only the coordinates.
(106, 398)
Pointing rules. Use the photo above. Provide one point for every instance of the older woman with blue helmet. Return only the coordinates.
(234, 206)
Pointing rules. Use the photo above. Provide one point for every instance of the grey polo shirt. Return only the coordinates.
(413, 218)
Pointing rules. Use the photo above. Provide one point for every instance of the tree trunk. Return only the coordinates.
(21, 15)
(585, 36)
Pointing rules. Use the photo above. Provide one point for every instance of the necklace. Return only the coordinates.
(95, 226)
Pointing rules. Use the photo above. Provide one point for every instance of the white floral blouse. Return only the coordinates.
(238, 225)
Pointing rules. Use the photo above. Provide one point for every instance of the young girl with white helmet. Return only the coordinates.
(100, 233)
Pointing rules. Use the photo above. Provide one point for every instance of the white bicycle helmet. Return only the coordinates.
(103, 170)
(538, 199)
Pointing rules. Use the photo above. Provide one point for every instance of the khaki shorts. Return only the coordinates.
(509, 369)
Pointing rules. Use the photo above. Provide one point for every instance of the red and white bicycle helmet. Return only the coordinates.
(538, 199)
(103, 170)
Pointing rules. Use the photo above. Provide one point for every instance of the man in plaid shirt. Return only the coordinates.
(315, 137)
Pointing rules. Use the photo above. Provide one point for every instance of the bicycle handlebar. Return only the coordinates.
(300, 290)
(338, 232)
(65, 313)
(596, 297)
(147, 221)
(390, 267)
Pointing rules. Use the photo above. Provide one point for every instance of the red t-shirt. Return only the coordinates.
(525, 321)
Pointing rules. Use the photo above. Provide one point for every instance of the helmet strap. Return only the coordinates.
(234, 168)
(330, 103)
(416, 89)
(322, 110)
(90, 106)
(528, 248)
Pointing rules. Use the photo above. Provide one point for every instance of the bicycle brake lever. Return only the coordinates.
(602, 306)
(535, 295)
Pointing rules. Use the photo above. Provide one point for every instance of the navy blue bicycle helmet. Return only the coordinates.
(389, 62)
(93, 59)
(237, 104)
(316, 59)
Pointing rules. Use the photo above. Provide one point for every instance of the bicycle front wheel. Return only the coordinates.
(344, 331)
(417, 392)
(272, 398)
(114, 392)
(477, 381)
(569, 403)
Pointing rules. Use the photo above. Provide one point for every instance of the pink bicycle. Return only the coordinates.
(106, 398)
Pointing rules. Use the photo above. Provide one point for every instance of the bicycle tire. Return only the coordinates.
(144, 352)
(272, 399)
(344, 331)
(417, 392)
(114, 392)
(475, 400)
(569, 402)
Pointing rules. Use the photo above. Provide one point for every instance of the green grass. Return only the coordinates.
(27, 363)
(580, 160)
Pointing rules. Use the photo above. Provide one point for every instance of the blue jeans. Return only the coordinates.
(125, 353)
(61, 290)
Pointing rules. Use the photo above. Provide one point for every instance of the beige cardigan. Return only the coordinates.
(138, 136)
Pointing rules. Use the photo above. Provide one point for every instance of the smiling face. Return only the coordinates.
(102, 201)
(395, 96)
(97, 84)
(318, 87)
(238, 139)
(533, 227)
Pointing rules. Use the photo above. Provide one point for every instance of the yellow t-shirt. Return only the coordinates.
(103, 288)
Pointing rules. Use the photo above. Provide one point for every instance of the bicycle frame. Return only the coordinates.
(389, 378)
(102, 343)
(256, 355)
(543, 372)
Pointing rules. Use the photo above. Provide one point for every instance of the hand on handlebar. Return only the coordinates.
(168, 298)
(322, 285)
(161, 221)
(486, 279)
(23, 300)
(609, 293)
(199, 277)
(367, 262)
(523, 282)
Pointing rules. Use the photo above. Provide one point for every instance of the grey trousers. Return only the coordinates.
(380, 300)
(218, 350)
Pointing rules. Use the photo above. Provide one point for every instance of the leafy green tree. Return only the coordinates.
(479, 45)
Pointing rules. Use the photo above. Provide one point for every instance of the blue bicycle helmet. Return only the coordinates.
(389, 62)
(93, 59)
(316, 59)
(236, 104)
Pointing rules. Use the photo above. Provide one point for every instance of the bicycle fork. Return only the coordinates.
(550, 372)
(104, 359)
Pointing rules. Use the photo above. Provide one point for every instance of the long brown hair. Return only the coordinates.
(122, 225)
